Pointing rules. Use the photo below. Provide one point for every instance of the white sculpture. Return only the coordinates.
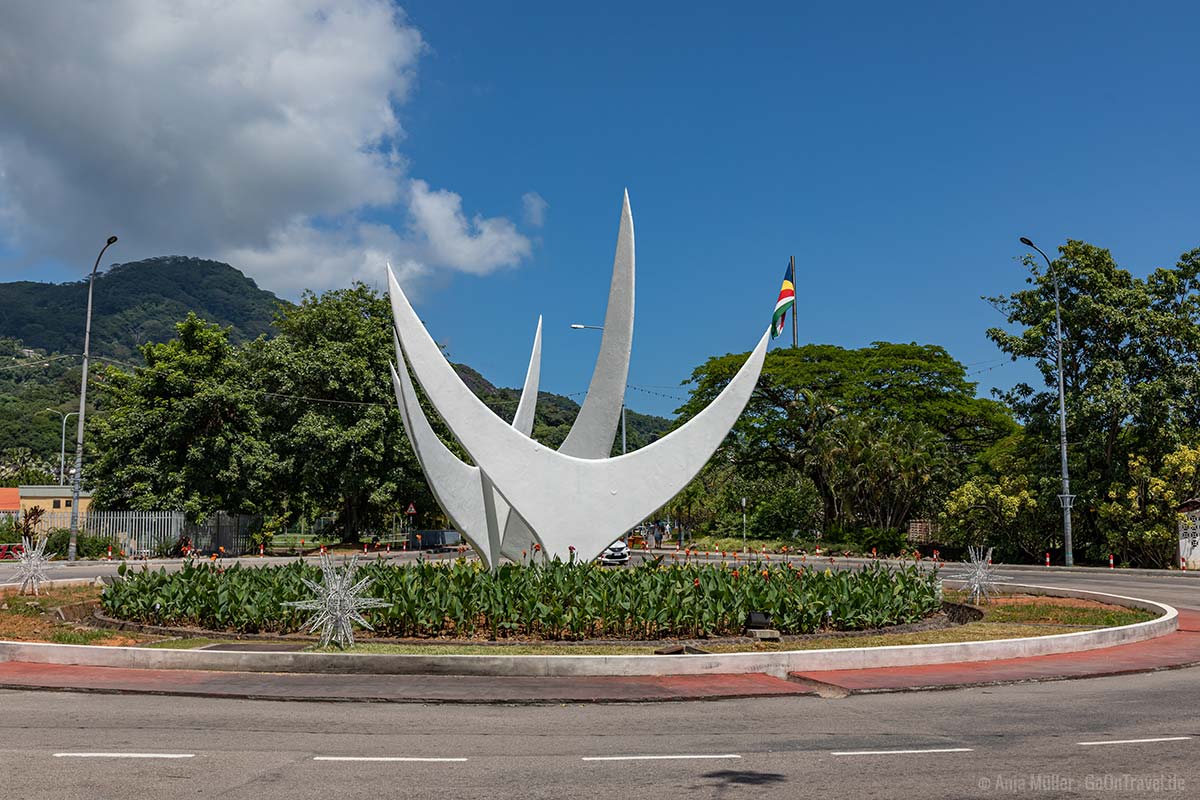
(521, 492)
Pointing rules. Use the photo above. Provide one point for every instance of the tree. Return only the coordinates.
(184, 432)
(818, 411)
(1140, 519)
(336, 435)
(1131, 373)
(19, 466)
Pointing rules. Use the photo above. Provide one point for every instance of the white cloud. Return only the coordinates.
(534, 206)
(478, 246)
(260, 132)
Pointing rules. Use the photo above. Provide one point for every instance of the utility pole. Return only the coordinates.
(78, 477)
(743, 524)
(1066, 498)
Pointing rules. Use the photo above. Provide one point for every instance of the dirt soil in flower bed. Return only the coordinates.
(28, 618)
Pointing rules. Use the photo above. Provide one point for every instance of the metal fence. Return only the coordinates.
(222, 532)
(149, 533)
(133, 532)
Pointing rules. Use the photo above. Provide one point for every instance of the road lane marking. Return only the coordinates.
(658, 758)
(124, 755)
(1134, 741)
(901, 752)
(382, 758)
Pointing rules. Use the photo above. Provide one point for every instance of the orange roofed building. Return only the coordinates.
(10, 502)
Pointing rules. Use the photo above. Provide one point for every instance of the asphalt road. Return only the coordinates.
(1026, 740)
(1131, 736)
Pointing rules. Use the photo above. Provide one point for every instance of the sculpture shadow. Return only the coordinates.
(725, 779)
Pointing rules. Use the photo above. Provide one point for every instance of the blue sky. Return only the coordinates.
(897, 150)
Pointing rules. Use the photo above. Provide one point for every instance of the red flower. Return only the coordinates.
(696, 582)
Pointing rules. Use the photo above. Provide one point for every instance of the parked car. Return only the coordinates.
(615, 554)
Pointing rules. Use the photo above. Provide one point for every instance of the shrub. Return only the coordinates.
(886, 541)
(85, 546)
(554, 600)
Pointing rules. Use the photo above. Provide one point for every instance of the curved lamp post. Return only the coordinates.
(62, 450)
(1066, 497)
(78, 477)
(579, 327)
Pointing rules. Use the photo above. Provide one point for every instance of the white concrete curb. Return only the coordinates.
(778, 663)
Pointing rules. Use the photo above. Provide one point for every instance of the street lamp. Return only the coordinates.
(1066, 497)
(87, 340)
(62, 450)
(578, 327)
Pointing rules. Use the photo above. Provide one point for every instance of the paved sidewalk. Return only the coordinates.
(1179, 649)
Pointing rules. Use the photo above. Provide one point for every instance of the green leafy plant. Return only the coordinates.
(551, 600)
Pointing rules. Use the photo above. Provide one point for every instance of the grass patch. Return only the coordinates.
(485, 650)
(1051, 613)
(184, 644)
(971, 632)
(64, 635)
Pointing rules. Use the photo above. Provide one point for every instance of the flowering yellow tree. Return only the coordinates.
(996, 510)
(1140, 516)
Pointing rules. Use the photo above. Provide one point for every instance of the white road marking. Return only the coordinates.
(382, 758)
(124, 755)
(1135, 741)
(901, 752)
(657, 758)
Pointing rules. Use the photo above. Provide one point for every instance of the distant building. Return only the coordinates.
(1189, 533)
(10, 503)
(923, 531)
(52, 498)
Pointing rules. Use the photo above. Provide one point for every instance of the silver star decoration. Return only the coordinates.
(31, 564)
(978, 577)
(338, 603)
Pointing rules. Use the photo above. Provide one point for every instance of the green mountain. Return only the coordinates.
(555, 413)
(133, 304)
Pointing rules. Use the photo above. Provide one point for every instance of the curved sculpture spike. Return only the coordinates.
(460, 489)
(523, 419)
(567, 500)
(591, 436)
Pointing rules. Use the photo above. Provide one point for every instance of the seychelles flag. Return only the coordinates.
(787, 299)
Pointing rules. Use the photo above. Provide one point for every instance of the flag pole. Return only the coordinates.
(795, 297)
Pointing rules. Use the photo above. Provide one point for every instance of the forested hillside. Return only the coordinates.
(135, 303)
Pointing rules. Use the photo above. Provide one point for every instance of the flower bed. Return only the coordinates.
(555, 600)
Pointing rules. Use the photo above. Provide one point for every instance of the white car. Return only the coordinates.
(615, 554)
